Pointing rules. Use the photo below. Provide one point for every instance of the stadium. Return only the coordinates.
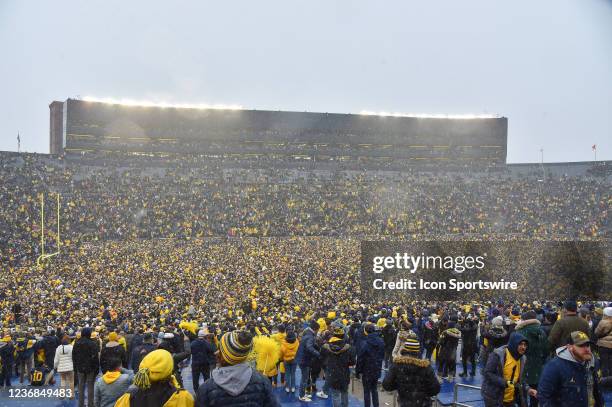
(168, 221)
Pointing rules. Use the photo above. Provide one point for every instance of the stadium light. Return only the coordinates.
(144, 103)
(429, 116)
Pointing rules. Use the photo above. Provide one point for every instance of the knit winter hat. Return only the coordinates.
(607, 311)
(412, 346)
(157, 366)
(235, 346)
(112, 337)
(497, 321)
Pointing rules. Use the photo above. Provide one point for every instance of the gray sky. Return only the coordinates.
(546, 64)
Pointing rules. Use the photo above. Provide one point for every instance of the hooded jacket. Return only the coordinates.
(494, 383)
(414, 380)
(338, 356)
(110, 386)
(237, 385)
(537, 351)
(564, 382)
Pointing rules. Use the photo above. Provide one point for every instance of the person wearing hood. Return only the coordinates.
(412, 377)
(430, 337)
(112, 350)
(235, 383)
(447, 354)
(369, 363)
(289, 349)
(86, 364)
(339, 356)
(571, 378)
(537, 352)
(503, 384)
(603, 333)
(111, 385)
(154, 385)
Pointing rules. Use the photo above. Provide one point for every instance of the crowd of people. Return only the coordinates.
(553, 354)
(252, 278)
(172, 202)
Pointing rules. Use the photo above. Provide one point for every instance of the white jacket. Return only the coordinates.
(63, 359)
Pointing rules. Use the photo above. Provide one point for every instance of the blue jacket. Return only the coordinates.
(494, 382)
(307, 352)
(370, 356)
(563, 382)
(202, 352)
(236, 389)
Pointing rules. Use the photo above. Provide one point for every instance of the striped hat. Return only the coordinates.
(411, 345)
(235, 346)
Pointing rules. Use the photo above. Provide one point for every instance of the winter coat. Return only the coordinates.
(236, 386)
(112, 350)
(563, 382)
(49, 343)
(63, 359)
(85, 356)
(338, 356)
(7, 351)
(389, 336)
(108, 391)
(603, 333)
(414, 380)
(202, 352)
(448, 344)
(494, 383)
(370, 356)
(468, 330)
(307, 352)
(537, 352)
(430, 335)
(561, 330)
(289, 350)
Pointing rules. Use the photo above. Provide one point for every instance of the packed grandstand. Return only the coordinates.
(254, 219)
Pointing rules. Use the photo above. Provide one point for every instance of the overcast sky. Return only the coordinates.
(546, 64)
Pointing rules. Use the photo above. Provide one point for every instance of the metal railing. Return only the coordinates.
(456, 393)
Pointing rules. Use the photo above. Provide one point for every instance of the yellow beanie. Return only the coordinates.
(157, 366)
(112, 337)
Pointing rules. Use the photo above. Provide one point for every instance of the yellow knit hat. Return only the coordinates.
(157, 366)
(112, 337)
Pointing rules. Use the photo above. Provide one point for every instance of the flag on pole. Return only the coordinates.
(594, 147)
